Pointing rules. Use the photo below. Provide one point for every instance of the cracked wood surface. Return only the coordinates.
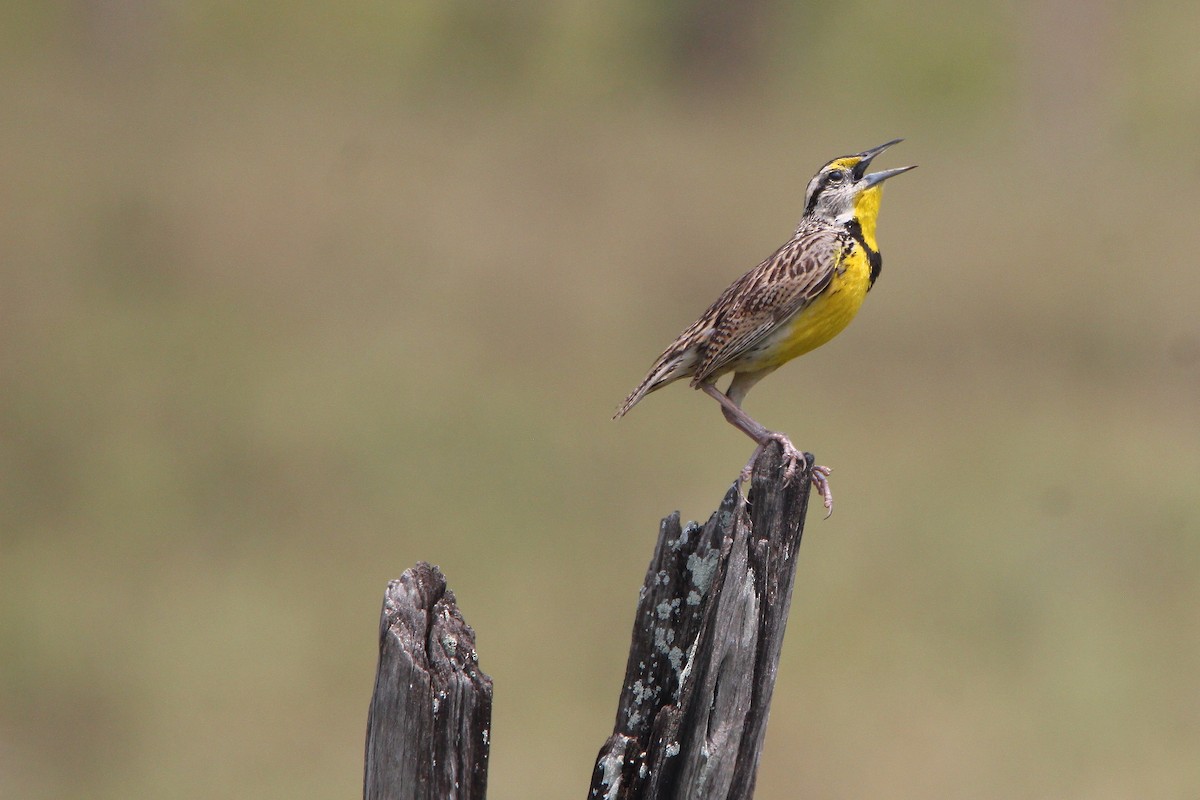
(709, 628)
(429, 723)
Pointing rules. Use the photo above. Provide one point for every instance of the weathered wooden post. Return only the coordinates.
(706, 640)
(693, 709)
(430, 717)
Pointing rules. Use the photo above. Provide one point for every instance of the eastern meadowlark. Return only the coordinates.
(793, 302)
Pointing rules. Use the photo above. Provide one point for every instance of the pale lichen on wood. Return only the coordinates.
(707, 635)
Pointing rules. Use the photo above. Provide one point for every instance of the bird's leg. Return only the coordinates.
(744, 423)
(761, 435)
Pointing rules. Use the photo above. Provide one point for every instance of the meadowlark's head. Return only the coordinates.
(843, 191)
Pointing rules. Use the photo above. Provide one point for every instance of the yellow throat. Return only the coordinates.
(866, 208)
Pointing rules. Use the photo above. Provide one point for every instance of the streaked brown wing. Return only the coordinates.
(756, 303)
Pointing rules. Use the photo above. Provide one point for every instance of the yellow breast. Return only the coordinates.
(825, 317)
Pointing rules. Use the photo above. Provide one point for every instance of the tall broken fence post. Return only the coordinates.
(705, 648)
(430, 717)
(693, 708)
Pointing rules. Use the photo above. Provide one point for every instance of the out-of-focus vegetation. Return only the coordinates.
(293, 295)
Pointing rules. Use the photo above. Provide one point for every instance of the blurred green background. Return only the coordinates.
(293, 295)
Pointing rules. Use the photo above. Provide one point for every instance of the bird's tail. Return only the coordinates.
(643, 389)
(670, 366)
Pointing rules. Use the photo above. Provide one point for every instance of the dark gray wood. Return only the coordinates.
(706, 640)
(430, 719)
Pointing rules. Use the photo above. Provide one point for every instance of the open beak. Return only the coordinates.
(867, 156)
(876, 178)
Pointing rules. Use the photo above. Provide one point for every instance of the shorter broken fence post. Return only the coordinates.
(706, 640)
(428, 727)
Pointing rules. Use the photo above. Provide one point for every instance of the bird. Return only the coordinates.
(796, 300)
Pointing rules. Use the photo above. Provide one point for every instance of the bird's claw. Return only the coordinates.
(820, 478)
(793, 458)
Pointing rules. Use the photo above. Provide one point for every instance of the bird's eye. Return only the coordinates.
(836, 176)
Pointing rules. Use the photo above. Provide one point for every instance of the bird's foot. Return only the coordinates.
(748, 470)
(820, 478)
(793, 459)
